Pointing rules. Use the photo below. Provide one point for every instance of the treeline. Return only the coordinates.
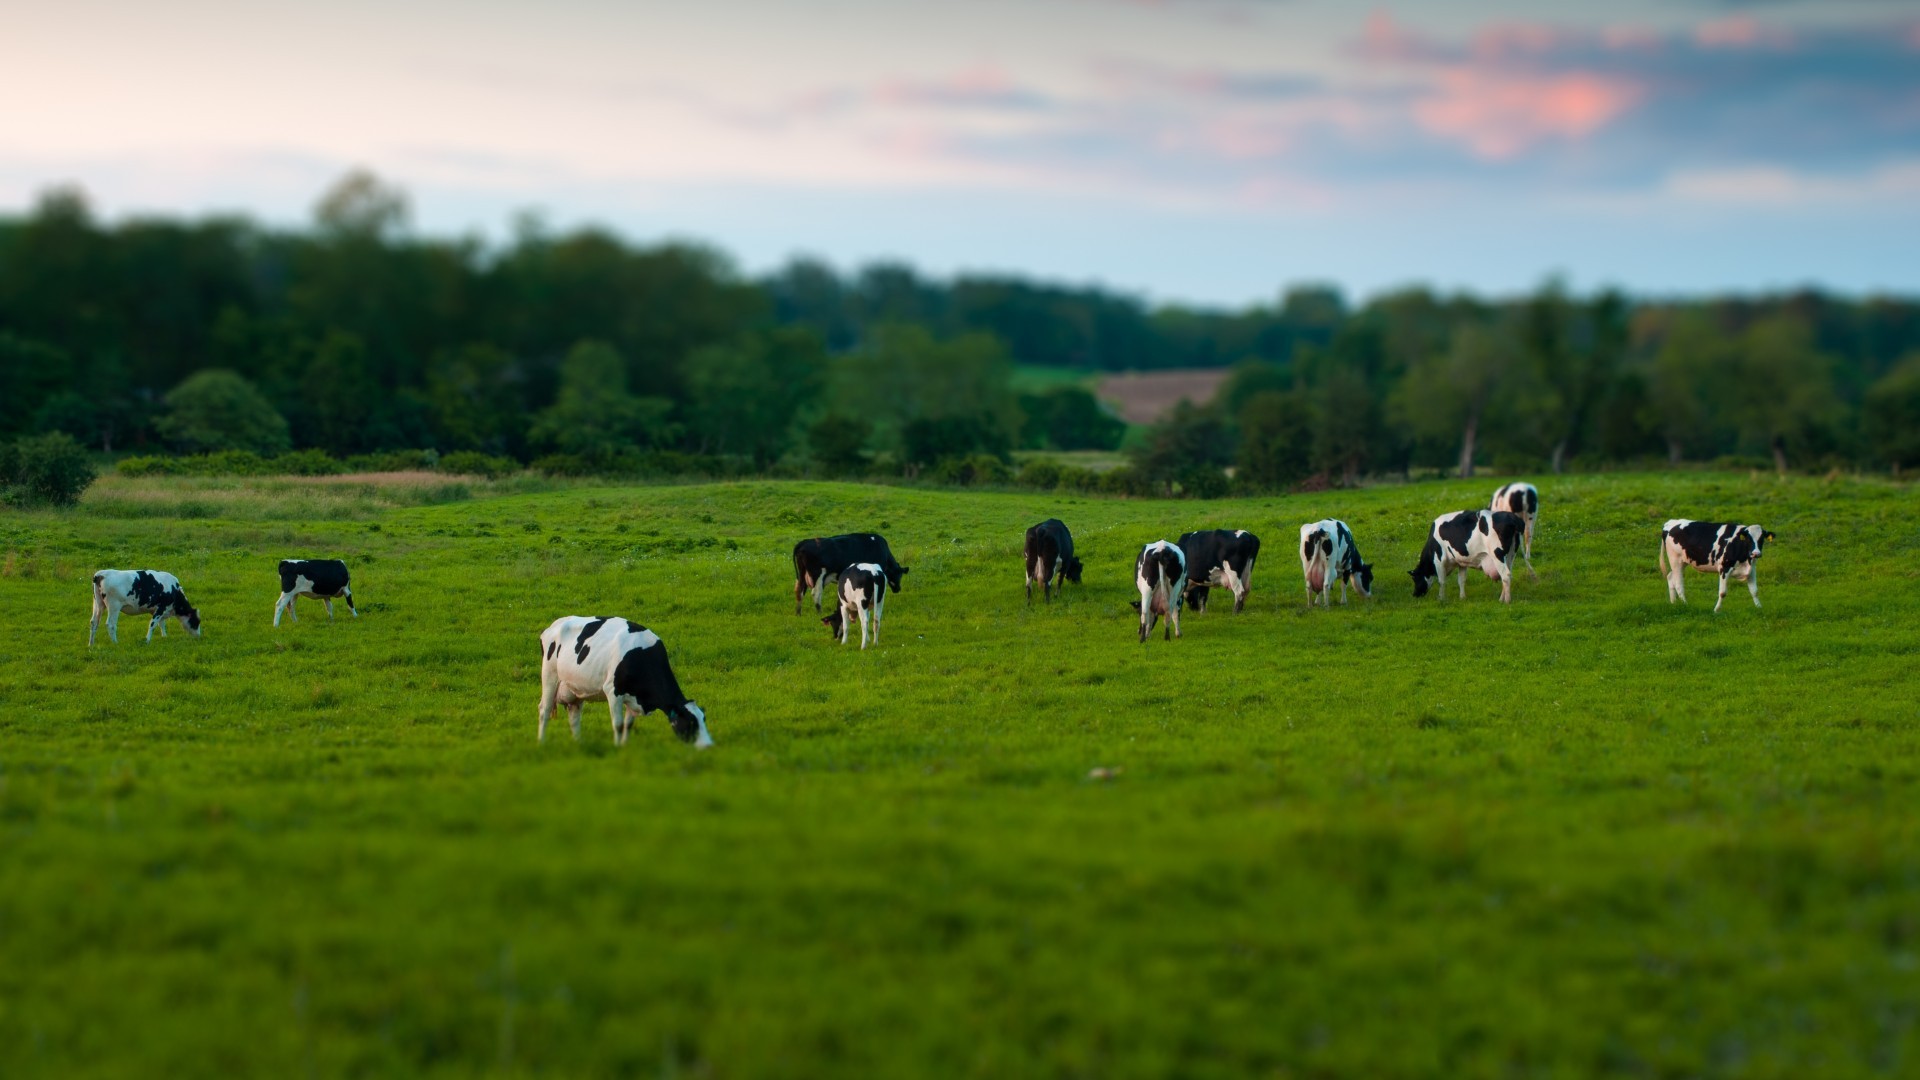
(586, 353)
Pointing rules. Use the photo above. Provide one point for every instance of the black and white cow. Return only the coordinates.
(820, 559)
(1713, 548)
(1160, 572)
(1219, 558)
(1049, 556)
(140, 592)
(619, 662)
(1468, 539)
(1522, 500)
(863, 594)
(315, 579)
(1327, 552)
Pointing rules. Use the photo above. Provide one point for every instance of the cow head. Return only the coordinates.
(894, 574)
(690, 723)
(1428, 569)
(191, 620)
(835, 623)
(1760, 538)
(1363, 579)
(1071, 571)
(1195, 597)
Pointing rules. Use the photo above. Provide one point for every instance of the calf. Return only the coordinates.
(863, 593)
(817, 560)
(1219, 557)
(1466, 539)
(315, 579)
(140, 592)
(1728, 550)
(1049, 556)
(1327, 552)
(616, 661)
(1160, 572)
(1522, 500)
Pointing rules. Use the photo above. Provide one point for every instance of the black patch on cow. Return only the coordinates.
(580, 643)
(148, 593)
(1424, 573)
(329, 576)
(1509, 528)
(1457, 530)
(645, 676)
(1211, 550)
(553, 647)
(1696, 540)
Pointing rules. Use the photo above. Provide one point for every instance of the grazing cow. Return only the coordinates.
(822, 558)
(1222, 558)
(140, 592)
(1470, 538)
(863, 593)
(1160, 572)
(1049, 556)
(621, 663)
(1728, 550)
(315, 579)
(1327, 552)
(1524, 501)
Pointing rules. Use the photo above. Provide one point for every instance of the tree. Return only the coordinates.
(49, 468)
(904, 373)
(594, 416)
(743, 396)
(839, 442)
(339, 397)
(1191, 441)
(1693, 364)
(1347, 425)
(1574, 350)
(1783, 387)
(476, 398)
(1451, 392)
(1069, 418)
(218, 410)
(1892, 415)
(1276, 438)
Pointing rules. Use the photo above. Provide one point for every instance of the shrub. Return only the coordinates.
(147, 466)
(49, 468)
(305, 463)
(969, 470)
(1044, 475)
(474, 463)
(564, 465)
(393, 461)
(1126, 480)
(219, 410)
(1204, 482)
(229, 463)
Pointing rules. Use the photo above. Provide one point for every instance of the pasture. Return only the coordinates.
(1590, 833)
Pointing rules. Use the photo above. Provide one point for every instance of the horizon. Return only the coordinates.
(1204, 153)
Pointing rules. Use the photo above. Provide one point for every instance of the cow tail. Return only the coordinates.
(1663, 555)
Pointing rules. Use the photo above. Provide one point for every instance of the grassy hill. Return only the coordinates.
(1590, 832)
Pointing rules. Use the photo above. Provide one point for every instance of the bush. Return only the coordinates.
(229, 463)
(148, 466)
(1204, 482)
(305, 463)
(970, 470)
(219, 410)
(474, 463)
(564, 465)
(1044, 475)
(393, 461)
(45, 469)
(1126, 480)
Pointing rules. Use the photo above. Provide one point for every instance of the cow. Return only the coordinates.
(1465, 539)
(1160, 572)
(315, 579)
(621, 663)
(1222, 558)
(1049, 556)
(1524, 501)
(1327, 552)
(863, 594)
(140, 592)
(1713, 548)
(821, 558)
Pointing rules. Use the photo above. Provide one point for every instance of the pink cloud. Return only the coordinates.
(1499, 115)
(1515, 39)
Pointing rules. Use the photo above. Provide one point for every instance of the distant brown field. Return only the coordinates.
(1145, 397)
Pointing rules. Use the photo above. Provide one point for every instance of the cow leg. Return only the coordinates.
(1029, 590)
(99, 608)
(1753, 585)
(819, 588)
(113, 624)
(879, 609)
(328, 600)
(549, 689)
(573, 718)
(151, 623)
(866, 616)
(799, 590)
(1527, 548)
(1506, 583)
(280, 607)
(619, 710)
(1723, 591)
(354, 611)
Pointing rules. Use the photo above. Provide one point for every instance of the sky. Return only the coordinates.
(1205, 151)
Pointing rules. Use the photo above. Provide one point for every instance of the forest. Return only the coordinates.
(582, 352)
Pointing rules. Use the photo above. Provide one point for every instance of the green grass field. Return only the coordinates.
(1588, 834)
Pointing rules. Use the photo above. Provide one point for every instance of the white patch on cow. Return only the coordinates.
(702, 740)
